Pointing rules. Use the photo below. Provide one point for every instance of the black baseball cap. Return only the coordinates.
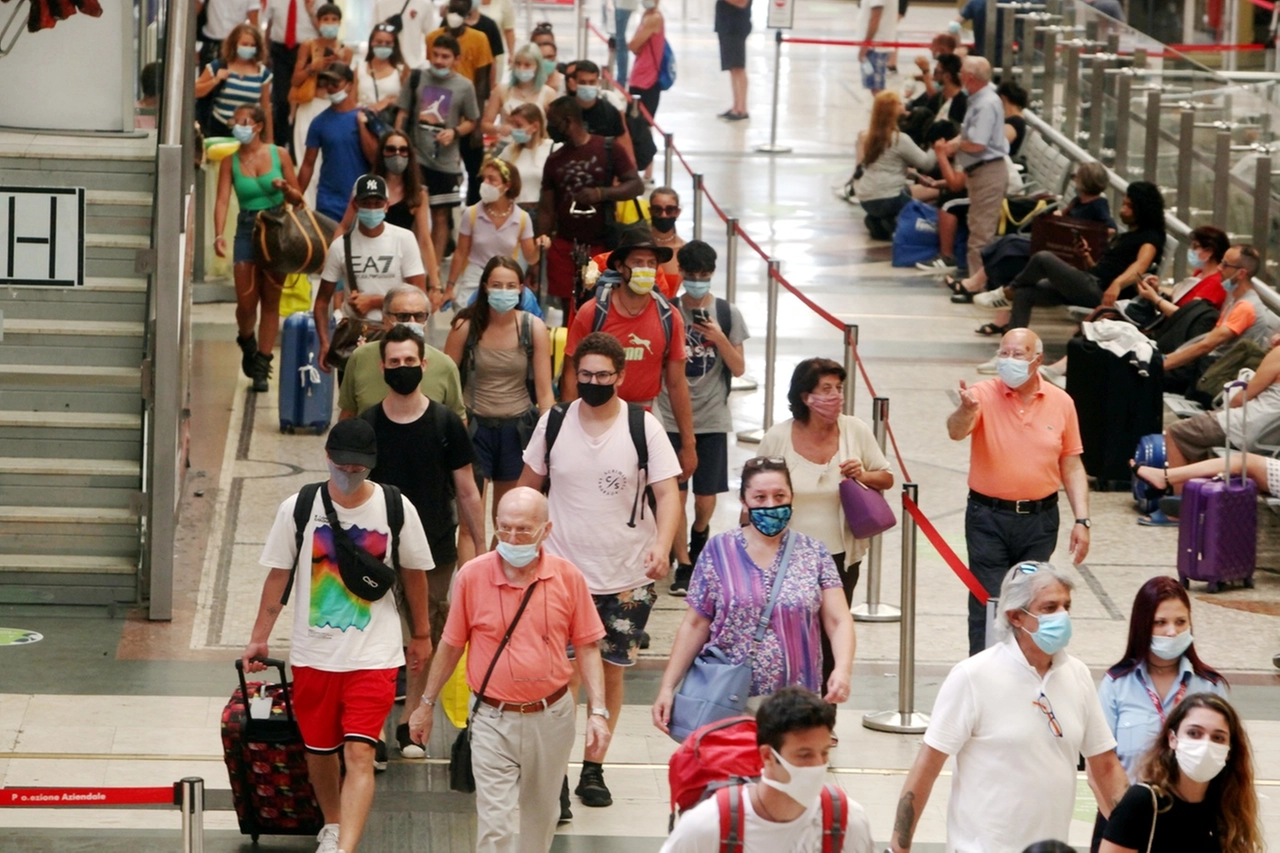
(337, 71)
(352, 442)
(370, 186)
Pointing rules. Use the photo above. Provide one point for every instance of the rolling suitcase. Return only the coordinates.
(1150, 451)
(306, 391)
(1218, 525)
(267, 762)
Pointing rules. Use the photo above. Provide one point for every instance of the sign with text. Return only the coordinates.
(42, 236)
(782, 14)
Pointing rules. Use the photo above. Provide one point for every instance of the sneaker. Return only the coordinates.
(845, 193)
(408, 749)
(248, 349)
(591, 788)
(988, 367)
(938, 264)
(261, 371)
(993, 299)
(379, 757)
(644, 639)
(1049, 374)
(566, 813)
(680, 583)
(727, 113)
(328, 839)
(697, 541)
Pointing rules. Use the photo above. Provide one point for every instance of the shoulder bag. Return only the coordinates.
(715, 688)
(350, 332)
(288, 240)
(1155, 815)
(461, 777)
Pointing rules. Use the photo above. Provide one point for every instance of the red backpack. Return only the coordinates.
(835, 818)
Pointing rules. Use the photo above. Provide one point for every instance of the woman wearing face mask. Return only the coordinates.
(648, 44)
(527, 85)
(382, 74)
(822, 446)
(242, 76)
(527, 152)
(505, 370)
(308, 98)
(262, 176)
(731, 587)
(1196, 791)
(495, 227)
(1159, 668)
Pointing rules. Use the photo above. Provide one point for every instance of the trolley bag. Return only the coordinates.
(1116, 405)
(1150, 452)
(267, 762)
(1218, 524)
(306, 391)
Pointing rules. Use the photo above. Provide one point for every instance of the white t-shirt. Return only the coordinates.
(276, 13)
(419, 19)
(223, 15)
(888, 27)
(698, 831)
(1015, 781)
(593, 488)
(380, 263)
(530, 162)
(334, 630)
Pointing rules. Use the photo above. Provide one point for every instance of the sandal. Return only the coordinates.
(955, 284)
(1166, 489)
(990, 330)
(1157, 519)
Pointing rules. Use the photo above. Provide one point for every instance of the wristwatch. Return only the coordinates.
(599, 712)
(1087, 524)
(430, 703)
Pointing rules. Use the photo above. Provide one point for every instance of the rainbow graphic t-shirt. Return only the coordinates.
(332, 604)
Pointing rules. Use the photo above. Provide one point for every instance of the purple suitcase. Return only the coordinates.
(1218, 526)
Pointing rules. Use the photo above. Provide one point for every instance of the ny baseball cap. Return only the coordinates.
(370, 186)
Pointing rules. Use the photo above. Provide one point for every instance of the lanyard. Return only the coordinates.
(1155, 700)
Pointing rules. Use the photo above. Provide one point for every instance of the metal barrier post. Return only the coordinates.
(1027, 53)
(1124, 110)
(1006, 43)
(580, 15)
(1221, 168)
(874, 610)
(989, 32)
(1097, 105)
(1262, 210)
(850, 366)
(1151, 135)
(743, 382)
(755, 436)
(1050, 74)
(1071, 93)
(773, 147)
(1186, 144)
(191, 800)
(697, 205)
(668, 158)
(905, 720)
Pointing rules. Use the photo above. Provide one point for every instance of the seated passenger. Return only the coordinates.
(884, 153)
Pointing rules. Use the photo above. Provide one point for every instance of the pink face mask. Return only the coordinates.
(827, 406)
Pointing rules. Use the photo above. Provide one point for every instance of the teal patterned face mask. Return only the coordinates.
(770, 520)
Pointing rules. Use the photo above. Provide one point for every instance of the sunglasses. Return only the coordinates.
(392, 150)
(409, 316)
(766, 462)
(666, 210)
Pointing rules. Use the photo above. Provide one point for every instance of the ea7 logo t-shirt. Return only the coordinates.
(379, 264)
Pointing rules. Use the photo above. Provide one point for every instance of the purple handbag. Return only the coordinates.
(865, 509)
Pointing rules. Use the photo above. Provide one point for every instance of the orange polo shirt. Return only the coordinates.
(534, 663)
(1016, 450)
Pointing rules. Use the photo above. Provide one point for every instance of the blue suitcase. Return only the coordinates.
(306, 391)
(1150, 452)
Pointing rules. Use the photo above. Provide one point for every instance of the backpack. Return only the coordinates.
(835, 818)
(665, 315)
(635, 426)
(524, 340)
(667, 68)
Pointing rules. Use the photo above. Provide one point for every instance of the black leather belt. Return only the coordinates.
(1020, 507)
(969, 170)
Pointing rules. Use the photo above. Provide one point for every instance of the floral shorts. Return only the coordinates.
(624, 615)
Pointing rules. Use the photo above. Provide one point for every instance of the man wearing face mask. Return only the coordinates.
(382, 255)
(783, 811)
(363, 384)
(1016, 717)
(600, 116)
(425, 452)
(475, 63)
(341, 134)
(523, 728)
(1026, 445)
(344, 649)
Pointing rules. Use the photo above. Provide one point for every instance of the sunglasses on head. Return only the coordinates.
(766, 462)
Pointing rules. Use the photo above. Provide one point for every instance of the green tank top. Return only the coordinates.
(255, 191)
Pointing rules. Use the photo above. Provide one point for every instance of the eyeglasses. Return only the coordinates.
(1028, 568)
(393, 150)
(385, 28)
(408, 316)
(1046, 706)
(1225, 265)
(519, 535)
(665, 210)
(600, 377)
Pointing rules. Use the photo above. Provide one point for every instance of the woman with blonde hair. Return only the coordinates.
(528, 151)
(884, 154)
(1195, 791)
(527, 84)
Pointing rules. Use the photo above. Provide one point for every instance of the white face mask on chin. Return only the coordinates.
(805, 784)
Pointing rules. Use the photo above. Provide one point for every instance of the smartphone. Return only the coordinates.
(701, 315)
(329, 52)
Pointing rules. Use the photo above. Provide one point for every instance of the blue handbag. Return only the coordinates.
(715, 687)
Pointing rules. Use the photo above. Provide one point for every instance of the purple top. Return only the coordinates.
(732, 591)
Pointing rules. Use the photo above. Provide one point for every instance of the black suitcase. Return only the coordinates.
(1116, 406)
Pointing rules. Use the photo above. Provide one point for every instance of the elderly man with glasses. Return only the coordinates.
(1016, 717)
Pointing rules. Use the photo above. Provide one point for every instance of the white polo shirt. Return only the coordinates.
(1015, 780)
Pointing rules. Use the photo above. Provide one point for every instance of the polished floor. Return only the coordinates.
(126, 702)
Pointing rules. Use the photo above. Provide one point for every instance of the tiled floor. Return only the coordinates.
(136, 703)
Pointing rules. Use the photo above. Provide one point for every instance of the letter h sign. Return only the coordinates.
(42, 236)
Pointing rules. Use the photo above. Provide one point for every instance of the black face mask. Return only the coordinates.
(557, 134)
(403, 380)
(595, 395)
(664, 223)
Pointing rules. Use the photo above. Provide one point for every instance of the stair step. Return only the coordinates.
(115, 285)
(70, 420)
(117, 241)
(69, 374)
(65, 515)
(72, 467)
(80, 328)
(66, 563)
(124, 198)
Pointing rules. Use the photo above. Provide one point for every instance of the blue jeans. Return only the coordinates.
(620, 19)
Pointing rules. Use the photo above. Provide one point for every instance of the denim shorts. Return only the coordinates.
(498, 447)
(242, 249)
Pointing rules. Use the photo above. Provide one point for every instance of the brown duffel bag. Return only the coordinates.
(289, 240)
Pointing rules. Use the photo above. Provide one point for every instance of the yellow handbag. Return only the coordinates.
(296, 295)
(455, 695)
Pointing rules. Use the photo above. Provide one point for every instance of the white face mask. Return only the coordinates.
(489, 193)
(806, 782)
(453, 20)
(1202, 759)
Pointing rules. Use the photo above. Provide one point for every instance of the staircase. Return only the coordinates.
(71, 386)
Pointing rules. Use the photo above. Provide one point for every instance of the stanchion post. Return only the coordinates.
(773, 147)
(743, 382)
(191, 801)
(1221, 175)
(874, 610)
(850, 366)
(1050, 75)
(1151, 139)
(668, 158)
(1124, 110)
(772, 272)
(697, 205)
(905, 720)
(1262, 210)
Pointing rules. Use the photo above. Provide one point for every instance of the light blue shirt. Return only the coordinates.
(1132, 715)
(983, 124)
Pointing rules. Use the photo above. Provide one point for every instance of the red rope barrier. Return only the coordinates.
(1215, 48)
(854, 43)
(77, 797)
(944, 550)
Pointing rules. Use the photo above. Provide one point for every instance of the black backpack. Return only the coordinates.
(635, 426)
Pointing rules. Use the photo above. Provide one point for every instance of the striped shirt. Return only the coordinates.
(238, 90)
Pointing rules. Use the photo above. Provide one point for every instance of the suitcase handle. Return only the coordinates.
(284, 683)
(1244, 430)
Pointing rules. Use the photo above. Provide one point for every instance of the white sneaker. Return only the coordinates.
(988, 367)
(993, 299)
(328, 839)
(1055, 376)
(937, 264)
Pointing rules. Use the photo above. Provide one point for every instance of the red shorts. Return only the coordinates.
(560, 269)
(335, 707)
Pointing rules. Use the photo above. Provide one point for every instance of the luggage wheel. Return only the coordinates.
(1186, 584)
(1213, 588)
(1248, 583)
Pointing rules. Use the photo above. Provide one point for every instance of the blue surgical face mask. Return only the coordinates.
(770, 520)
(246, 52)
(383, 52)
(1193, 259)
(525, 75)
(244, 133)
(587, 94)
(520, 136)
(329, 31)
(549, 66)
(697, 289)
(1229, 284)
(1054, 632)
(337, 97)
(503, 301)
(1171, 648)
(518, 555)
(1014, 372)
(370, 218)
(440, 72)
